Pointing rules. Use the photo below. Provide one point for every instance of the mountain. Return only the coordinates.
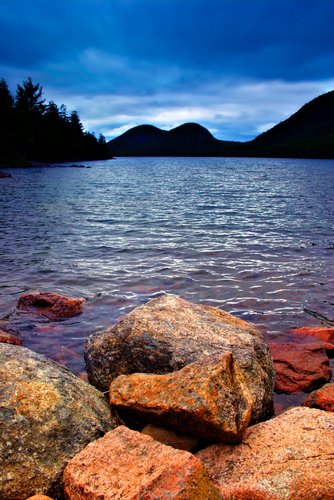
(308, 133)
(189, 139)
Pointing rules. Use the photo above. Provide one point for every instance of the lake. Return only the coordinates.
(254, 237)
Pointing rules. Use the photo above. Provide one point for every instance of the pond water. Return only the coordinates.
(254, 237)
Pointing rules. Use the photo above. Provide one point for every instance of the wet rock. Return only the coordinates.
(299, 367)
(169, 333)
(321, 333)
(47, 415)
(9, 338)
(171, 438)
(4, 175)
(127, 464)
(208, 399)
(50, 305)
(288, 457)
(322, 398)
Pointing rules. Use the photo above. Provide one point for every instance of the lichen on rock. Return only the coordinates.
(47, 415)
(169, 333)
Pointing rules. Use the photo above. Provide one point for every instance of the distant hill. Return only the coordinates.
(309, 133)
(189, 139)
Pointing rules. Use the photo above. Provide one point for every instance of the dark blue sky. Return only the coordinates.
(235, 66)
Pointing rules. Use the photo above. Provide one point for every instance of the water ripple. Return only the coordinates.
(252, 236)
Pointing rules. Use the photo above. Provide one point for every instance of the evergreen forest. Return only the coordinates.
(32, 130)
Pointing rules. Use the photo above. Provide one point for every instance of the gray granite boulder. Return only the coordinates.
(47, 415)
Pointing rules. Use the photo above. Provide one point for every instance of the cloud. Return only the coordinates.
(232, 112)
(234, 66)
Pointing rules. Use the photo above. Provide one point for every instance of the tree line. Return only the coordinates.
(33, 130)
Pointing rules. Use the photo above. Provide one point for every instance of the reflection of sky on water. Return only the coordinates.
(254, 237)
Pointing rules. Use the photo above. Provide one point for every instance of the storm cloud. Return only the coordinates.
(237, 67)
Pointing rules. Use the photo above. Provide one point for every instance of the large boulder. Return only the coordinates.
(288, 457)
(208, 399)
(300, 367)
(127, 464)
(321, 398)
(169, 333)
(47, 415)
(50, 305)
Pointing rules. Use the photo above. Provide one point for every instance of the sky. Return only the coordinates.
(236, 67)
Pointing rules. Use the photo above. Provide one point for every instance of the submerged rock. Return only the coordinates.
(300, 367)
(47, 415)
(208, 399)
(9, 338)
(288, 457)
(322, 398)
(169, 333)
(127, 464)
(50, 305)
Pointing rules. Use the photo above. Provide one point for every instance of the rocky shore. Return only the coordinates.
(179, 404)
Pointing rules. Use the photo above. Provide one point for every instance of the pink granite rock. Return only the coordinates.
(299, 367)
(127, 464)
(209, 399)
(168, 333)
(290, 457)
(321, 333)
(322, 398)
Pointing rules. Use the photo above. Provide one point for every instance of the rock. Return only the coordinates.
(171, 438)
(321, 333)
(47, 415)
(39, 497)
(127, 464)
(208, 399)
(299, 367)
(50, 305)
(169, 333)
(322, 398)
(4, 175)
(288, 457)
(8, 338)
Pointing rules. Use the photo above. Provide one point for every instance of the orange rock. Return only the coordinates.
(39, 497)
(321, 333)
(208, 399)
(8, 338)
(299, 367)
(322, 398)
(289, 457)
(168, 333)
(127, 464)
(171, 438)
(50, 305)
